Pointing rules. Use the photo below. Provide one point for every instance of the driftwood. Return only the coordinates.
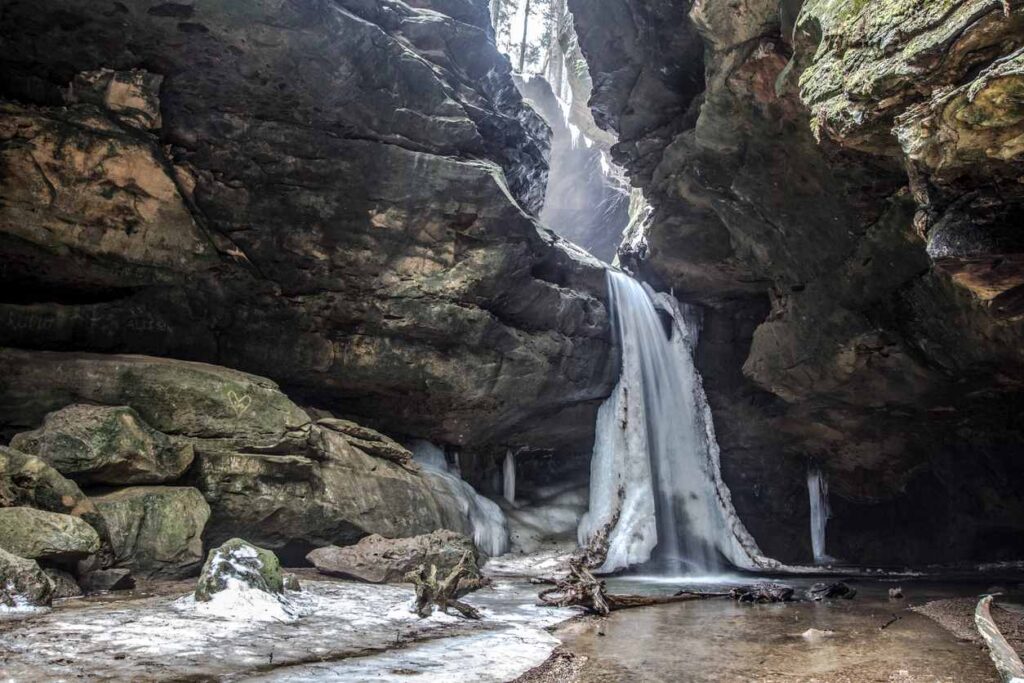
(1007, 662)
(579, 588)
(762, 593)
(825, 591)
(444, 593)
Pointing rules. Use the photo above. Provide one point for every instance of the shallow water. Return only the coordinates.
(719, 640)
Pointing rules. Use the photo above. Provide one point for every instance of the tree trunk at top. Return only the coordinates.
(495, 12)
(556, 64)
(522, 46)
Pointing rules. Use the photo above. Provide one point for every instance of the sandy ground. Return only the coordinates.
(956, 615)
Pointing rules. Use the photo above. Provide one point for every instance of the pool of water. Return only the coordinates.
(833, 641)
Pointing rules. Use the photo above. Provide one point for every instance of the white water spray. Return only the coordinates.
(509, 477)
(817, 490)
(655, 477)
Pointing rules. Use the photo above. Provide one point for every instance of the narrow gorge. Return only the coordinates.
(511, 340)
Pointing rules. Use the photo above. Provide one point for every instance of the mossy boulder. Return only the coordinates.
(236, 564)
(156, 530)
(106, 445)
(23, 583)
(176, 397)
(27, 481)
(41, 535)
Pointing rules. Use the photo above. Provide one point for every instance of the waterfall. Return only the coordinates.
(655, 477)
(460, 502)
(509, 479)
(817, 490)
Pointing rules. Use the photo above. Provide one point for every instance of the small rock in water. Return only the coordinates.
(291, 583)
(823, 591)
(814, 635)
(896, 593)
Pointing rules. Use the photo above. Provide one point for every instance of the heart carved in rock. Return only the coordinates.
(239, 404)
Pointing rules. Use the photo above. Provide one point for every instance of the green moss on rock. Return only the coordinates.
(239, 563)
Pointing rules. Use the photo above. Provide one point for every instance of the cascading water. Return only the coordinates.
(655, 478)
(461, 502)
(817, 490)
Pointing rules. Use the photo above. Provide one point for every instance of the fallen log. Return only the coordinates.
(580, 588)
(1006, 659)
(762, 593)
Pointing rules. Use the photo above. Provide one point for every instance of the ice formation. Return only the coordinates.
(490, 528)
(509, 477)
(655, 476)
(817, 491)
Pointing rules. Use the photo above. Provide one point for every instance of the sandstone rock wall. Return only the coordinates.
(837, 181)
(335, 194)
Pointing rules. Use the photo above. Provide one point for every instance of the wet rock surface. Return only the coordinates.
(823, 182)
(335, 195)
(376, 559)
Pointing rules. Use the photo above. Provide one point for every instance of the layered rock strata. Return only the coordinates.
(336, 195)
(837, 182)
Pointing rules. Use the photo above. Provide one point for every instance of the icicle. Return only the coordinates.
(817, 490)
(509, 480)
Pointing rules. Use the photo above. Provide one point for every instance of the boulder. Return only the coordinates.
(103, 580)
(239, 563)
(176, 397)
(267, 472)
(156, 530)
(106, 445)
(299, 500)
(64, 584)
(23, 583)
(376, 559)
(29, 481)
(26, 480)
(49, 536)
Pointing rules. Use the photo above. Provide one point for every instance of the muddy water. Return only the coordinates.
(718, 640)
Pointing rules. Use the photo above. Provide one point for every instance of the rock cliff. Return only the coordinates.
(334, 194)
(837, 181)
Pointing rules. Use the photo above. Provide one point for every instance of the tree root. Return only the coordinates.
(580, 588)
(444, 593)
